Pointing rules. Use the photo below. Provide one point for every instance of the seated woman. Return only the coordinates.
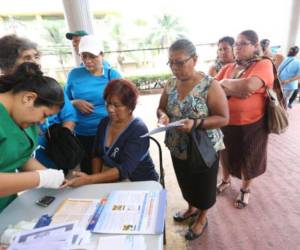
(119, 151)
(26, 99)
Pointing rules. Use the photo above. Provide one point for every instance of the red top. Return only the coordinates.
(251, 109)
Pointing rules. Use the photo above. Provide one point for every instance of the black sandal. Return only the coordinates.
(240, 201)
(191, 235)
(223, 185)
(180, 218)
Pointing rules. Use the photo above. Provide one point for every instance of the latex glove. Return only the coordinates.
(51, 178)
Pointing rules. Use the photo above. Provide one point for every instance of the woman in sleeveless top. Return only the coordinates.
(190, 96)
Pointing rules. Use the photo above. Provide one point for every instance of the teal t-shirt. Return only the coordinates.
(16, 147)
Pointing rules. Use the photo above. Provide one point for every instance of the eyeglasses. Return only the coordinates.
(114, 105)
(241, 44)
(178, 63)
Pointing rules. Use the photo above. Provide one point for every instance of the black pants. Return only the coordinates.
(293, 97)
(87, 142)
(198, 189)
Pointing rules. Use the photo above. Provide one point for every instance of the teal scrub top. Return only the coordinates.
(16, 147)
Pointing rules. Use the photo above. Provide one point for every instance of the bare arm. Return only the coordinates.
(69, 124)
(161, 110)
(12, 183)
(97, 165)
(80, 178)
(32, 164)
(295, 78)
(241, 88)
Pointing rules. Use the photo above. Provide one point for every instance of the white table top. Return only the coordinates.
(24, 207)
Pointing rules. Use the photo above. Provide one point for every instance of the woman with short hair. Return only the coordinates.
(197, 100)
(224, 54)
(120, 153)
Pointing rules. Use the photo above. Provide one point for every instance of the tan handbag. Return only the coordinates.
(277, 117)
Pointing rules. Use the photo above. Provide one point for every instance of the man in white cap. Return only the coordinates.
(85, 87)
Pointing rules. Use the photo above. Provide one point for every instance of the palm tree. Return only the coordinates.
(168, 29)
(55, 35)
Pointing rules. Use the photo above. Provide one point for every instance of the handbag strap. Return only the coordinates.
(200, 126)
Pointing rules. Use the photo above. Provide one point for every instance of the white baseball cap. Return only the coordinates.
(90, 44)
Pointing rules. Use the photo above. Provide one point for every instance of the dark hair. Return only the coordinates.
(184, 44)
(264, 43)
(227, 39)
(293, 51)
(29, 77)
(124, 89)
(11, 46)
(251, 36)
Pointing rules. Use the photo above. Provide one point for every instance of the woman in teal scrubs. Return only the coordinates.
(26, 99)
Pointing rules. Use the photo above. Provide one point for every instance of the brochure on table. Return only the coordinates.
(130, 212)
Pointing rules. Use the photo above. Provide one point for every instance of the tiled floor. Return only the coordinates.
(271, 220)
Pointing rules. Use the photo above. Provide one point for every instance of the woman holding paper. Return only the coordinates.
(192, 96)
(120, 153)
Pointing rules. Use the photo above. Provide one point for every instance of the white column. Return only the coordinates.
(78, 16)
(294, 24)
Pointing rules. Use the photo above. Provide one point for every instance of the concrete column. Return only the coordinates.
(294, 24)
(78, 16)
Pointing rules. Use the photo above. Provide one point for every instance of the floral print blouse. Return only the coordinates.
(194, 105)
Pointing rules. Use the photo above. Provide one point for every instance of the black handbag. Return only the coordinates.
(202, 155)
(63, 147)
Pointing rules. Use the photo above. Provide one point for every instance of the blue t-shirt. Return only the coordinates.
(289, 68)
(81, 84)
(129, 153)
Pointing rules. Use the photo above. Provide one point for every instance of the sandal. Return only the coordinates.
(223, 185)
(243, 198)
(191, 235)
(179, 217)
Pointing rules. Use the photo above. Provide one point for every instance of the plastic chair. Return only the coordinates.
(161, 175)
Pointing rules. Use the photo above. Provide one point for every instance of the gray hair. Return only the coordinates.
(185, 45)
(11, 46)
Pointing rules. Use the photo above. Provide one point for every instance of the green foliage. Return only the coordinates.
(150, 81)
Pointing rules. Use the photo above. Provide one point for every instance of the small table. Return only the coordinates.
(24, 207)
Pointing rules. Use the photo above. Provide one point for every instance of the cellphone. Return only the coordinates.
(45, 201)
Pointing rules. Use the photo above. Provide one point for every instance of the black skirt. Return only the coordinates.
(198, 189)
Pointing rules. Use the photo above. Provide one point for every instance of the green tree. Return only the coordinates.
(168, 28)
(56, 36)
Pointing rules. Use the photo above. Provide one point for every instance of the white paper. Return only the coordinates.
(124, 242)
(129, 212)
(163, 128)
(56, 237)
(80, 210)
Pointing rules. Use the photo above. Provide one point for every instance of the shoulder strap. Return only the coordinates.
(108, 74)
(277, 87)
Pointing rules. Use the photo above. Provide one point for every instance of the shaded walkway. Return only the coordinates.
(272, 219)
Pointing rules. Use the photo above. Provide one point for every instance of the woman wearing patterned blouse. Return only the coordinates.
(190, 96)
